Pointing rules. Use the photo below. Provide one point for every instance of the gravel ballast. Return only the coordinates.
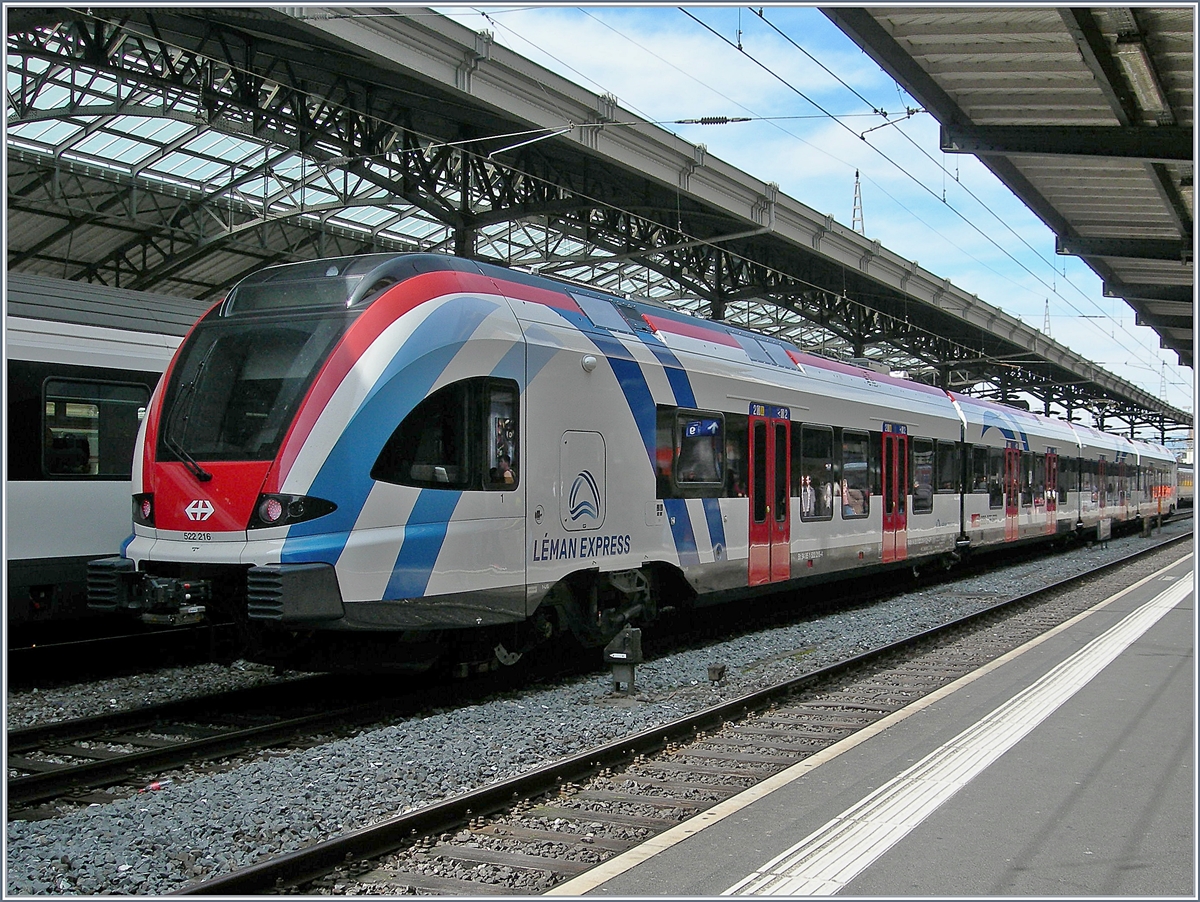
(154, 842)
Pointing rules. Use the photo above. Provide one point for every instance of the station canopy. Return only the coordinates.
(177, 150)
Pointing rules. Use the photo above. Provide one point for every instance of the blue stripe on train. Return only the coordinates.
(716, 523)
(681, 530)
(424, 535)
(344, 477)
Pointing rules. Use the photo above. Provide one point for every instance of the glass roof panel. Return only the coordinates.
(113, 148)
(48, 132)
(161, 131)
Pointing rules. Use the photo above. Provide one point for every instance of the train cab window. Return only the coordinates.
(855, 488)
(978, 477)
(812, 481)
(922, 475)
(463, 436)
(89, 428)
(948, 477)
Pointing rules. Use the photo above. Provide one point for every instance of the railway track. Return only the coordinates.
(72, 759)
(540, 829)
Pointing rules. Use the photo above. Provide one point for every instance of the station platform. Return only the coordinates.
(1064, 768)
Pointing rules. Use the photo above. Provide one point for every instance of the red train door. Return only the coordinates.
(1012, 493)
(894, 467)
(770, 499)
(1051, 493)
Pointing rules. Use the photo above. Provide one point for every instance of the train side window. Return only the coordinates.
(995, 478)
(89, 428)
(979, 469)
(699, 448)
(737, 451)
(948, 478)
(856, 479)
(813, 484)
(922, 475)
(1039, 478)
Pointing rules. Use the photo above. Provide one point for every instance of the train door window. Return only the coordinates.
(760, 472)
(813, 484)
(699, 449)
(948, 479)
(1039, 478)
(737, 451)
(856, 480)
(89, 428)
(922, 475)
(979, 469)
(781, 472)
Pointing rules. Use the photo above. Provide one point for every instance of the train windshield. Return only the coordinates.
(237, 385)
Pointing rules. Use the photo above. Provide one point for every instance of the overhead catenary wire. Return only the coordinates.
(910, 175)
(434, 142)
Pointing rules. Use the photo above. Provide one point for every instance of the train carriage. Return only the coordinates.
(81, 362)
(1017, 487)
(381, 460)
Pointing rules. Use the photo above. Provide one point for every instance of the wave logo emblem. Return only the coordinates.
(585, 497)
(200, 509)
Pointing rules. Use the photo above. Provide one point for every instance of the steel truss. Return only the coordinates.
(327, 138)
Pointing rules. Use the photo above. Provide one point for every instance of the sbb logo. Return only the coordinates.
(199, 509)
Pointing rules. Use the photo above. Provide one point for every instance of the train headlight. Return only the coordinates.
(143, 509)
(270, 510)
(284, 510)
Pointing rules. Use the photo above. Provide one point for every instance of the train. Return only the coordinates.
(81, 363)
(394, 462)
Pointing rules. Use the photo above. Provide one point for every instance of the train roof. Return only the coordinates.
(36, 297)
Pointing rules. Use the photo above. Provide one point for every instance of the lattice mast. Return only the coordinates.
(857, 222)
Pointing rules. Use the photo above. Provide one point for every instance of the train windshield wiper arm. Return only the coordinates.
(187, 393)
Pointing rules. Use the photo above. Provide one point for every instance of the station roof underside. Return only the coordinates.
(177, 150)
(1087, 116)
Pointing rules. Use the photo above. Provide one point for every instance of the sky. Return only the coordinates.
(814, 99)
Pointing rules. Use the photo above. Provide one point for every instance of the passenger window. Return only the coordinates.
(947, 467)
(922, 475)
(89, 428)
(737, 450)
(856, 478)
(463, 436)
(995, 478)
(699, 448)
(979, 469)
(813, 484)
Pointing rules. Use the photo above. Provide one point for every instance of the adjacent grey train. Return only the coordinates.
(82, 361)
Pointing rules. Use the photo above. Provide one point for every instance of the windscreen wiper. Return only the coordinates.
(186, 393)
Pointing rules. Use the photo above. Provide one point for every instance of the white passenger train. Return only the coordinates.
(372, 460)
